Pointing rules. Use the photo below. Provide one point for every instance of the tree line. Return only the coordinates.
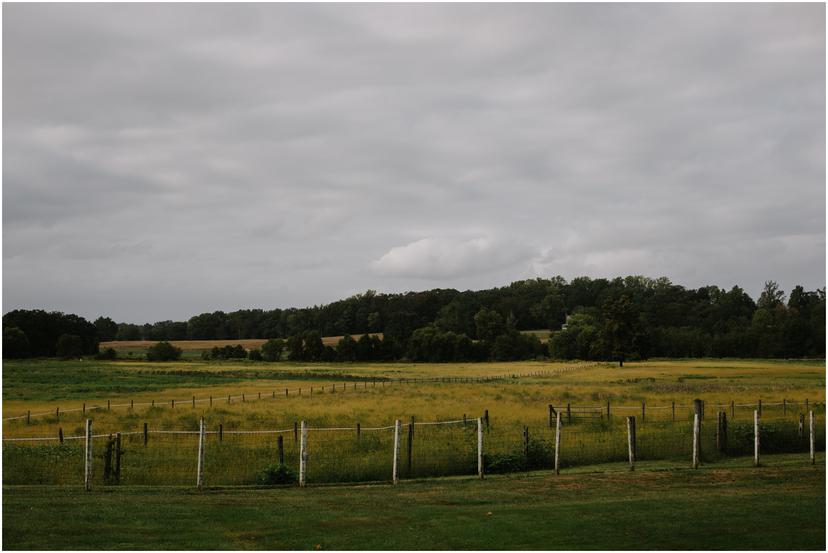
(601, 319)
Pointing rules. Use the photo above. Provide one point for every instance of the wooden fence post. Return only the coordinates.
(698, 408)
(193, 402)
(643, 411)
(146, 433)
(172, 404)
(57, 413)
(295, 431)
(526, 445)
(410, 443)
(280, 444)
(359, 430)
(397, 425)
(551, 416)
(108, 405)
(486, 416)
(60, 434)
(107, 475)
(568, 413)
(696, 438)
(608, 410)
(464, 420)
(118, 452)
(480, 448)
(674, 411)
(558, 444)
(132, 404)
(813, 437)
(303, 454)
(631, 441)
(211, 401)
(721, 433)
(87, 471)
(756, 438)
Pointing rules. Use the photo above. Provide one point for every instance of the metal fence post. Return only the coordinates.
(87, 472)
(394, 468)
(200, 469)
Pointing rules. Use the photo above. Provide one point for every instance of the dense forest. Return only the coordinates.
(623, 318)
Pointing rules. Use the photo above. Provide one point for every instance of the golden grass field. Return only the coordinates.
(513, 400)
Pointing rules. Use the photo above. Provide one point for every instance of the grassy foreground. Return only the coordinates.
(730, 505)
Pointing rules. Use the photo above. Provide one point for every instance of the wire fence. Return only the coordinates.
(367, 454)
(281, 393)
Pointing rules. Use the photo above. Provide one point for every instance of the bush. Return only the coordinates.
(163, 351)
(254, 355)
(108, 354)
(69, 346)
(228, 352)
(276, 474)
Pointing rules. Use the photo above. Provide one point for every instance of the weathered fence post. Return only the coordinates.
(480, 448)
(397, 426)
(410, 443)
(568, 413)
(643, 410)
(359, 430)
(486, 417)
(464, 420)
(200, 468)
(303, 454)
(172, 404)
(211, 401)
(558, 444)
(674, 411)
(280, 444)
(631, 440)
(756, 438)
(696, 438)
(295, 431)
(107, 475)
(813, 437)
(698, 408)
(57, 413)
(132, 404)
(87, 471)
(551, 414)
(608, 410)
(193, 402)
(108, 405)
(526, 445)
(118, 452)
(721, 432)
(221, 432)
(146, 433)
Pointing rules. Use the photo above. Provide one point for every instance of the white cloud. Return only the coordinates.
(444, 257)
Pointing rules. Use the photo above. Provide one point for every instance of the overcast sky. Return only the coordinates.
(165, 160)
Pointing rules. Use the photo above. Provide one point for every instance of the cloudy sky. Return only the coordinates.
(165, 160)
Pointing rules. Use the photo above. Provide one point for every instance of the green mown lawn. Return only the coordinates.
(730, 505)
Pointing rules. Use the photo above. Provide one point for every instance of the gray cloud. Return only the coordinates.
(163, 160)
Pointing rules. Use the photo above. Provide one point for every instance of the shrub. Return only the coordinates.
(69, 346)
(163, 351)
(228, 352)
(108, 354)
(276, 474)
(254, 355)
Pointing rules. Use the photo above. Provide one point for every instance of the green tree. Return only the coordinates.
(163, 351)
(621, 329)
(107, 329)
(15, 343)
(489, 324)
(272, 349)
(69, 346)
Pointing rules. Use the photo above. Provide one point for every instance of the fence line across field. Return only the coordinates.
(297, 392)
(467, 448)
